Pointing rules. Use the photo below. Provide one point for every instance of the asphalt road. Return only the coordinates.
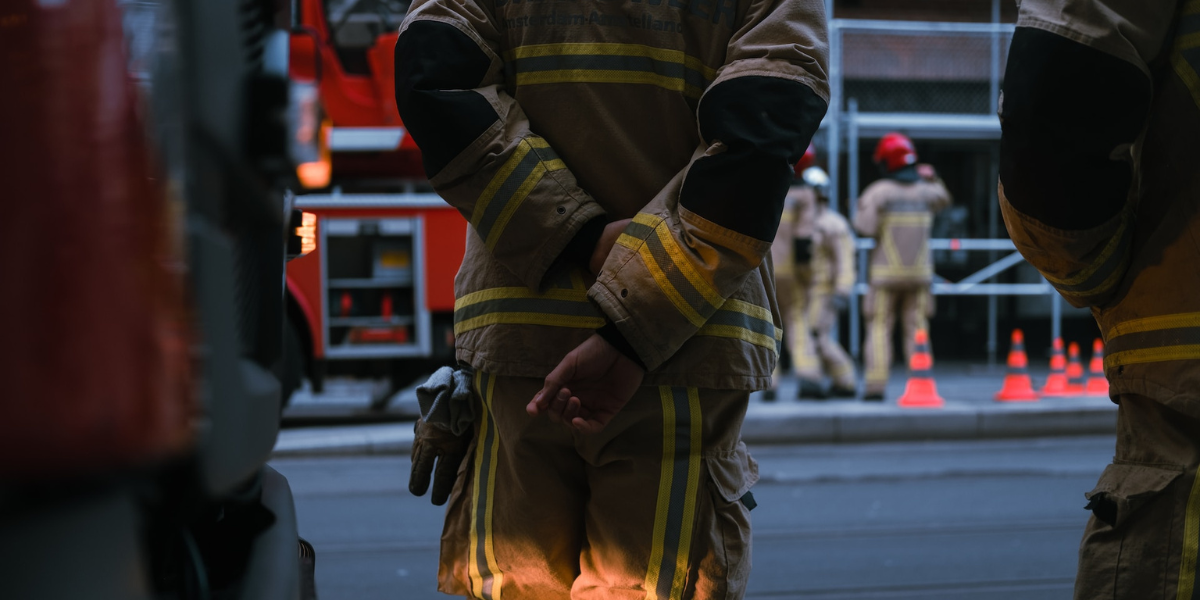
(935, 520)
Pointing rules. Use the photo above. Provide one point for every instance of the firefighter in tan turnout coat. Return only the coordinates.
(623, 168)
(898, 212)
(814, 275)
(1100, 190)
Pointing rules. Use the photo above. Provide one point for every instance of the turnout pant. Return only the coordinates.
(655, 506)
(915, 304)
(835, 362)
(795, 304)
(1143, 538)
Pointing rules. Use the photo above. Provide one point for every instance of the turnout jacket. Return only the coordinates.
(833, 254)
(542, 120)
(899, 216)
(799, 215)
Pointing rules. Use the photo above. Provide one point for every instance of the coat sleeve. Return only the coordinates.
(866, 218)
(939, 196)
(479, 151)
(696, 243)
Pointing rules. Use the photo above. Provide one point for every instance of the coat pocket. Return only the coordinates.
(722, 545)
(1123, 488)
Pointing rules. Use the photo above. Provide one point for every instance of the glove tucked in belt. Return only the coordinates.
(443, 432)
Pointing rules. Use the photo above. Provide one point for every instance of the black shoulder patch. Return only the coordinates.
(765, 124)
(1066, 108)
(437, 67)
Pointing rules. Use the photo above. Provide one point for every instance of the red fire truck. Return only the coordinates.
(373, 294)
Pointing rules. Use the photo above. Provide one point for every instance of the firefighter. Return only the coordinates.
(791, 253)
(1100, 119)
(623, 169)
(897, 211)
(833, 277)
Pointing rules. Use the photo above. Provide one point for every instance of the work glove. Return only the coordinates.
(434, 443)
(443, 432)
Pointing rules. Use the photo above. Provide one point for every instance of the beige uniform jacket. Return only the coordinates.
(601, 112)
(1140, 271)
(798, 221)
(899, 216)
(833, 254)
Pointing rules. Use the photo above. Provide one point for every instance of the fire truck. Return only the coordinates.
(373, 293)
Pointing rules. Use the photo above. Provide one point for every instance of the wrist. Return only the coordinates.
(612, 335)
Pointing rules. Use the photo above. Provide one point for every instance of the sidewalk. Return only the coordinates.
(970, 413)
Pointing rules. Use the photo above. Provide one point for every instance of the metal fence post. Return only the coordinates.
(852, 205)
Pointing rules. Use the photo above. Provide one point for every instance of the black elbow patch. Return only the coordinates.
(1066, 108)
(437, 67)
(765, 124)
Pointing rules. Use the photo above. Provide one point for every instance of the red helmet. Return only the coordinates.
(806, 161)
(895, 151)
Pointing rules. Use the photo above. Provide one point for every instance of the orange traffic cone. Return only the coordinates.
(921, 390)
(1074, 370)
(1017, 385)
(1056, 385)
(1097, 383)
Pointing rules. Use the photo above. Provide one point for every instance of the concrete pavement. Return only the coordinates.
(970, 413)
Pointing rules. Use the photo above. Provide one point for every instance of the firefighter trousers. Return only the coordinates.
(654, 506)
(795, 304)
(915, 303)
(835, 362)
(1143, 538)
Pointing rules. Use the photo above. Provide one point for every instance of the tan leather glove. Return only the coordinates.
(433, 443)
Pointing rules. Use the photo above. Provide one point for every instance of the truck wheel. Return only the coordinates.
(293, 362)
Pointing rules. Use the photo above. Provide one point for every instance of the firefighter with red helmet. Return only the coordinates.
(897, 210)
(1099, 189)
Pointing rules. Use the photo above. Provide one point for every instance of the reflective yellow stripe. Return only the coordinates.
(907, 219)
(606, 49)
(1191, 543)
(738, 333)
(528, 318)
(1191, 7)
(1188, 41)
(669, 290)
(647, 219)
(749, 309)
(1113, 243)
(1155, 323)
(683, 554)
(520, 292)
(685, 266)
(484, 584)
(664, 491)
(514, 203)
(629, 241)
(1187, 74)
(1149, 355)
(498, 180)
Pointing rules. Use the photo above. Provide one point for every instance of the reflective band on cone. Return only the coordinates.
(1074, 370)
(921, 390)
(1056, 384)
(1017, 385)
(1097, 383)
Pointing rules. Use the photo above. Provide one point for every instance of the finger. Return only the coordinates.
(444, 477)
(422, 467)
(572, 409)
(559, 405)
(589, 426)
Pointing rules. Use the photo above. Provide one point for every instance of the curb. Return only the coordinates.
(794, 423)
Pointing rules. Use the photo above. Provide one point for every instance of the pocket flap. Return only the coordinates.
(1125, 487)
(733, 472)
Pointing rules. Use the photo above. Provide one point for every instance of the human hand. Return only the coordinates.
(589, 387)
(926, 172)
(605, 244)
(432, 443)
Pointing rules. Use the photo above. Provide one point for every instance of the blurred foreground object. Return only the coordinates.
(142, 254)
(1098, 188)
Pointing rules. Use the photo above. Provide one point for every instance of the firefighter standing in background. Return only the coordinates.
(897, 211)
(791, 253)
(623, 170)
(833, 277)
(1100, 190)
